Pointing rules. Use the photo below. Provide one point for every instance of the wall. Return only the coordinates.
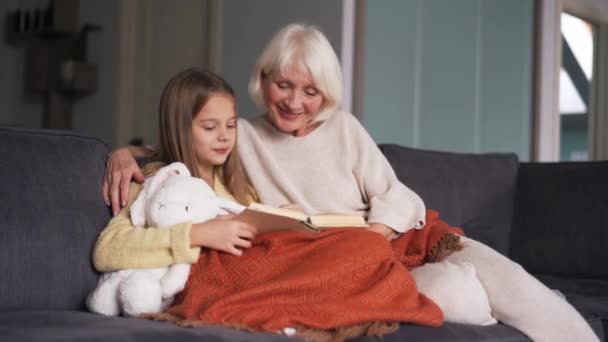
(440, 74)
(19, 108)
(171, 36)
(92, 115)
(450, 75)
(248, 25)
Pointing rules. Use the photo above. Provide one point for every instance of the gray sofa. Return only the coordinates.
(551, 218)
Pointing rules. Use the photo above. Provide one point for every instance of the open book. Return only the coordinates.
(267, 219)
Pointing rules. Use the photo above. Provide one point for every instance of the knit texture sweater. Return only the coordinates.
(121, 245)
(337, 169)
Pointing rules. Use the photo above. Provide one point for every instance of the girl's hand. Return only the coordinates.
(224, 234)
(120, 169)
(384, 230)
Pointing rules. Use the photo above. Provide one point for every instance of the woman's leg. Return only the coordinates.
(520, 300)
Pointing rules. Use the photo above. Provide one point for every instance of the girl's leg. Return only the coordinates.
(520, 300)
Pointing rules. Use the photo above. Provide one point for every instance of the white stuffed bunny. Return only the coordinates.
(170, 197)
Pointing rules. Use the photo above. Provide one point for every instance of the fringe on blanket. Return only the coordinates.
(192, 323)
(372, 329)
(448, 244)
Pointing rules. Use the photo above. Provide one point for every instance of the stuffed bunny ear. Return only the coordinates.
(164, 173)
(229, 206)
(138, 208)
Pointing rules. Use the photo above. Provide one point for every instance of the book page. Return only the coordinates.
(297, 215)
(268, 222)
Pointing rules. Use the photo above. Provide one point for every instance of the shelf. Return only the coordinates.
(59, 19)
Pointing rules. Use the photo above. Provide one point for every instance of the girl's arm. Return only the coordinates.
(122, 245)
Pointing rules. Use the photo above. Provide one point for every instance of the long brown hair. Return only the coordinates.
(183, 97)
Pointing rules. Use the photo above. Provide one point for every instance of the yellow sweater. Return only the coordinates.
(122, 245)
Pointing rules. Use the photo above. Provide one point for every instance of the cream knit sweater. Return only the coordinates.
(337, 168)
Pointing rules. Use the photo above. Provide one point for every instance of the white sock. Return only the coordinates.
(520, 300)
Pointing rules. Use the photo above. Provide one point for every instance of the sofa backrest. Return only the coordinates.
(560, 224)
(51, 214)
(472, 191)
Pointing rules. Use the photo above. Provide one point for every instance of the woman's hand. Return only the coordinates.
(224, 234)
(384, 230)
(292, 206)
(120, 169)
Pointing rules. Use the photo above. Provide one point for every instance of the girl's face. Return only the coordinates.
(214, 130)
(292, 100)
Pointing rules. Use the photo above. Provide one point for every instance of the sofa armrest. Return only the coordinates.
(560, 223)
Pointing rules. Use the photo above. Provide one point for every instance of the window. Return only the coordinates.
(574, 87)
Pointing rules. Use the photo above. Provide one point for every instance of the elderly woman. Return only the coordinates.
(304, 151)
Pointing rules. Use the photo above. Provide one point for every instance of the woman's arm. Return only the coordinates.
(384, 230)
(392, 204)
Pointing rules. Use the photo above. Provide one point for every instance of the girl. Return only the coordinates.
(197, 126)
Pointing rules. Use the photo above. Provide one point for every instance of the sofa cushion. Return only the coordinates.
(78, 326)
(588, 296)
(560, 223)
(52, 212)
(66, 326)
(473, 191)
(455, 288)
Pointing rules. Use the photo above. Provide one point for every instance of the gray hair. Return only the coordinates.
(305, 46)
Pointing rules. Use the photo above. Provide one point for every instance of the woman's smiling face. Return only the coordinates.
(292, 100)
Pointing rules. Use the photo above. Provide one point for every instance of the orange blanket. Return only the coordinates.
(338, 278)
